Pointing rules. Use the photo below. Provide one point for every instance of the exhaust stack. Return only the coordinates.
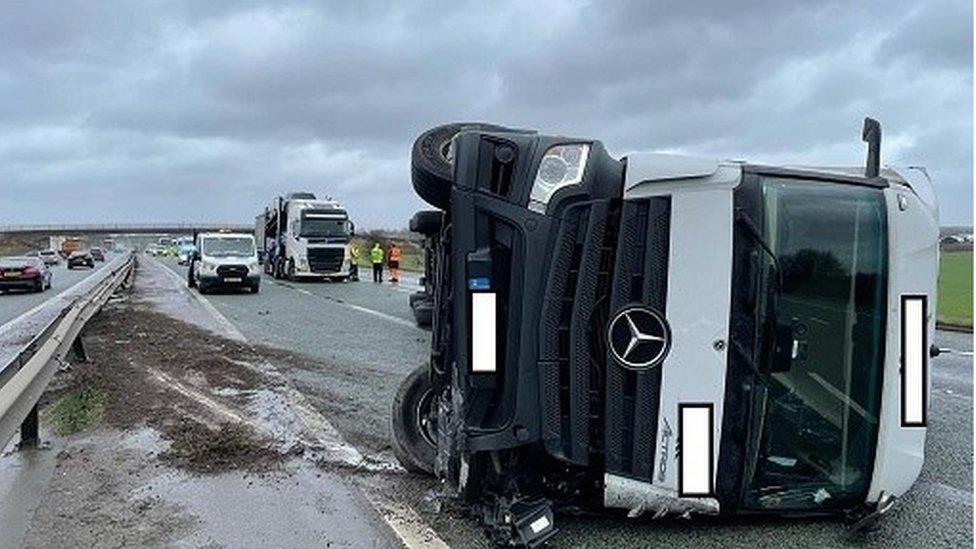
(871, 134)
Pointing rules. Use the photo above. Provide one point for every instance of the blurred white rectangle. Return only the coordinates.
(695, 438)
(483, 337)
(913, 358)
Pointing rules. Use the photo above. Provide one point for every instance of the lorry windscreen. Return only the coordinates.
(314, 226)
(228, 246)
(820, 415)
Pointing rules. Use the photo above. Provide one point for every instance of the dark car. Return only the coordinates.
(81, 258)
(24, 273)
(97, 254)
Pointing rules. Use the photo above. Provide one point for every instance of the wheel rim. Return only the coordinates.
(426, 421)
(447, 150)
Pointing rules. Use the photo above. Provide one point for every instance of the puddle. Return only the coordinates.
(145, 439)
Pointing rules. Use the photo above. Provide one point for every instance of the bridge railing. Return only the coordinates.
(69, 228)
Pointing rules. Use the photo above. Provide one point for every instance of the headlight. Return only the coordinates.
(561, 166)
(302, 264)
(253, 266)
(208, 267)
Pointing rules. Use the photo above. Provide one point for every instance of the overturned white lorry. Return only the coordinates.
(668, 335)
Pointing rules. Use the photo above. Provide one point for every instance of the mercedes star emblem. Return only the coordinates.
(638, 337)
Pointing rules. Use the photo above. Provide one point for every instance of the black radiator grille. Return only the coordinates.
(575, 311)
(632, 398)
(325, 260)
(607, 254)
(232, 271)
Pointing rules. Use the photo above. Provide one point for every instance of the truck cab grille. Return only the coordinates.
(325, 260)
(232, 271)
(607, 254)
(640, 276)
(575, 310)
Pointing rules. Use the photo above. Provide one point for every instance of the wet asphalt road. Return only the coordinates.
(15, 302)
(366, 329)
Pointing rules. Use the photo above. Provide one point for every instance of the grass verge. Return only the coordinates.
(956, 288)
(77, 410)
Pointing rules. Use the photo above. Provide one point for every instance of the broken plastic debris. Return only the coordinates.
(782, 461)
(821, 496)
(434, 500)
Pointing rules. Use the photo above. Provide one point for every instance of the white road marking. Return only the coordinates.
(385, 316)
(196, 396)
(403, 520)
(378, 314)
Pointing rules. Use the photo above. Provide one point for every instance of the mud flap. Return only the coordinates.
(519, 522)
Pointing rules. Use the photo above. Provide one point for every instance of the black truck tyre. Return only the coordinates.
(431, 162)
(414, 436)
(427, 222)
(418, 296)
(423, 313)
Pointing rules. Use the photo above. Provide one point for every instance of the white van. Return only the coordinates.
(224, 260)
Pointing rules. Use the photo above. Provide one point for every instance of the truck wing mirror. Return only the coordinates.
(871, 134)
(352, 229)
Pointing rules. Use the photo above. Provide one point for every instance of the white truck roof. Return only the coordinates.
(224, 235)
(647, 167)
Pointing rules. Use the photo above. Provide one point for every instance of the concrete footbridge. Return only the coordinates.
(148, 228)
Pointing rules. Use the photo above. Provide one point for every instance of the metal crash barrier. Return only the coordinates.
(24, 378)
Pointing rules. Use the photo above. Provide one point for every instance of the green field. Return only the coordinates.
(411, 262)
(956, 288)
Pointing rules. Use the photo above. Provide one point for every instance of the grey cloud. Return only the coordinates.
(203, 110)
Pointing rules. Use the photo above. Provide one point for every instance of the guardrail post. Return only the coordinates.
(29, 437)
(78, 350)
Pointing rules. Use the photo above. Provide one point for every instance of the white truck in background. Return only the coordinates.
(301, 236)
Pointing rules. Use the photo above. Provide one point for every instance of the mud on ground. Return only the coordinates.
(184, 412)
(131, 351)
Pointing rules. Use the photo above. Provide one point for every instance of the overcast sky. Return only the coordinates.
(204, 110)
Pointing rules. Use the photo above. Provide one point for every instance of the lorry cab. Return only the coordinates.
(670, 335)
(224, 260)
(306, 238)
